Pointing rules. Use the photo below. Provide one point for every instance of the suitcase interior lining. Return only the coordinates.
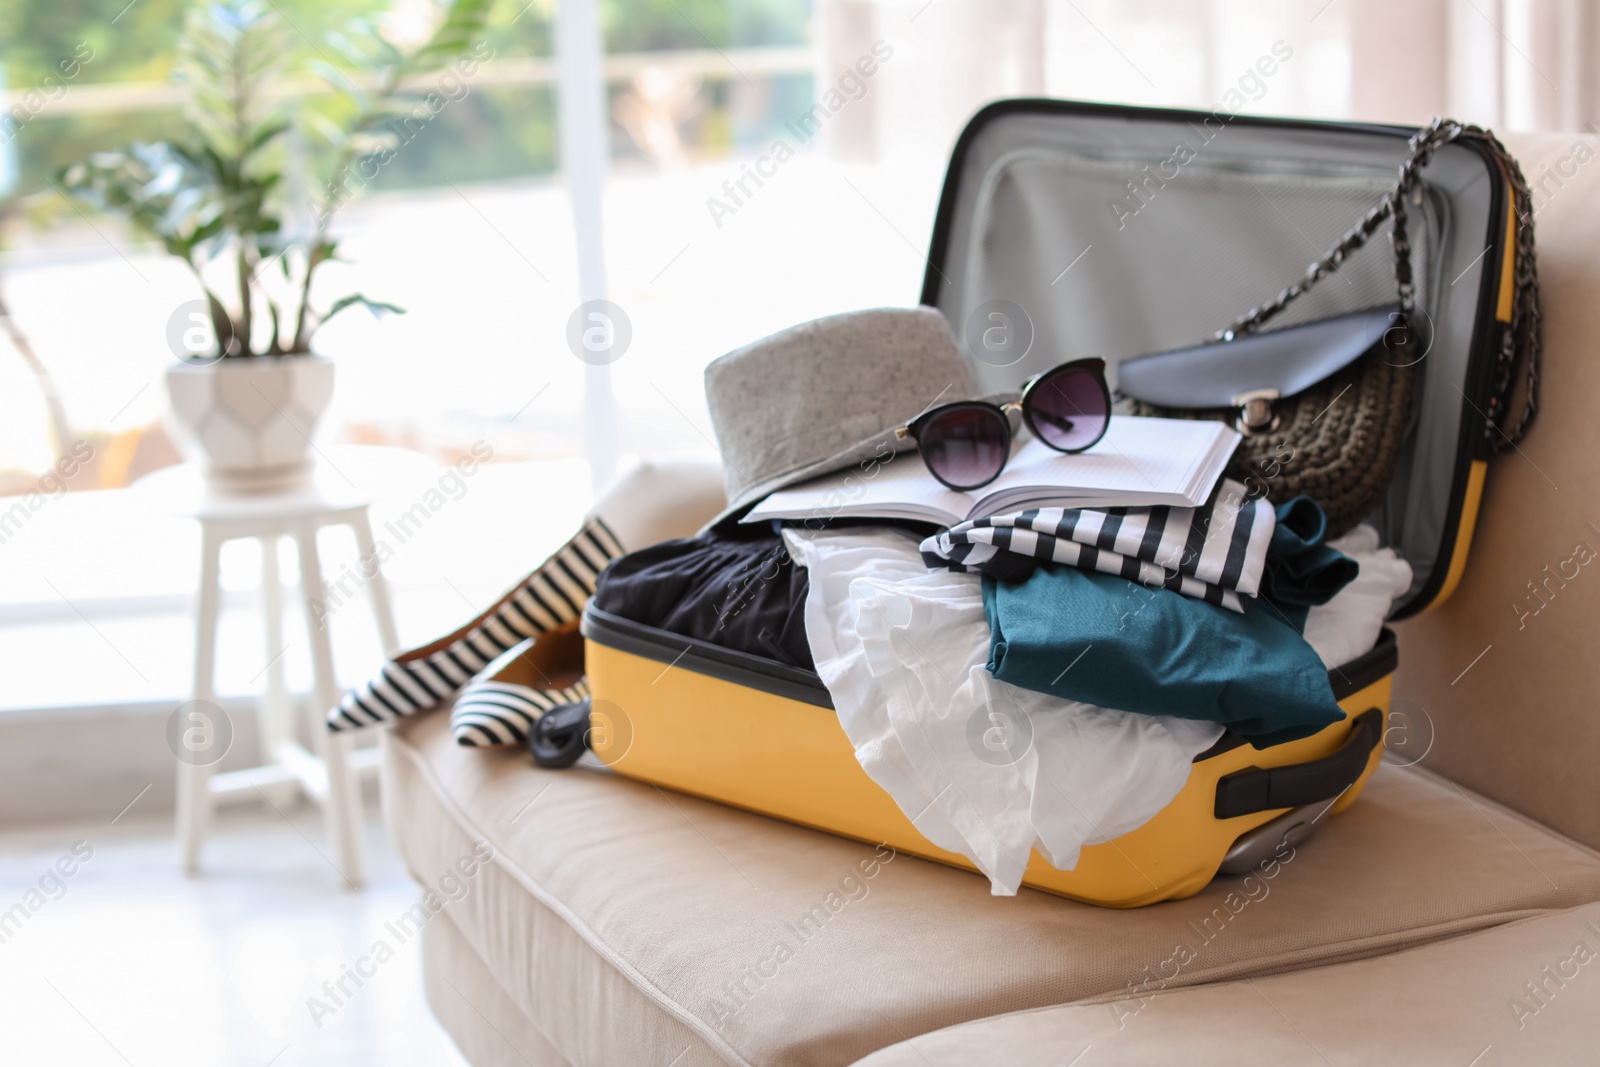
(1027, 217)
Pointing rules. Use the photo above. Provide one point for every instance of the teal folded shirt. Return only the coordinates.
(1301, 571)
(1103, 640)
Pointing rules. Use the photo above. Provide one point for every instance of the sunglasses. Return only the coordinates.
(966, 444)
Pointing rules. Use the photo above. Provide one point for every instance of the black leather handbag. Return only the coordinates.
(1324, 406)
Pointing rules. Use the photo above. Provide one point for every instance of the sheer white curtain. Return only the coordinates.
(1509, 64)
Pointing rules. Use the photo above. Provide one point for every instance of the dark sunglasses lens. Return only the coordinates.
(966, 447)
(1068, 409)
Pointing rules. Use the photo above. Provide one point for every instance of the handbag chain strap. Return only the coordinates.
(1523, 334)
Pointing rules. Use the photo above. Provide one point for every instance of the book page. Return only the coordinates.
(1140, 461)
(1136, 457)
(897, 488)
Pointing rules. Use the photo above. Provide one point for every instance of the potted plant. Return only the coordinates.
(248, 389)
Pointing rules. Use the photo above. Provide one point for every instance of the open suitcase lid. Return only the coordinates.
(1122, 231)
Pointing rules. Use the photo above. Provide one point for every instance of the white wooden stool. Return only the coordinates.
(328, 773)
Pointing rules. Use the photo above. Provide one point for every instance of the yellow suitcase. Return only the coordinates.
(1031, 185)
(760, 735)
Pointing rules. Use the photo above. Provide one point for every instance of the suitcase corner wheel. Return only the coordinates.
(758, 735)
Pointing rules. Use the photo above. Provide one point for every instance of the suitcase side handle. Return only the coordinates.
(1252, 789)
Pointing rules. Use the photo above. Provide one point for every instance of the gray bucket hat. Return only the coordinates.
(828, 394)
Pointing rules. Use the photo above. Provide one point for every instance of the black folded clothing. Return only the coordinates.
(733, 586)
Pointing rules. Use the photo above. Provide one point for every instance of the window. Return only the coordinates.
(766, 161)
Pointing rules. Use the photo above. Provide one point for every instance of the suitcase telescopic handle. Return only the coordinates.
(1251, 790)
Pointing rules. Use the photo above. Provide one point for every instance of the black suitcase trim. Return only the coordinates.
(795, 683)
(1373, 666)
(703, 657)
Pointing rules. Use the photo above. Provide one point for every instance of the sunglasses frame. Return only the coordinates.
(1093, 365)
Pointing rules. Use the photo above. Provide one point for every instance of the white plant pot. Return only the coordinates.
(248, 423)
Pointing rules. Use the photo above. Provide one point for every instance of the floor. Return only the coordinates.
(128, 962)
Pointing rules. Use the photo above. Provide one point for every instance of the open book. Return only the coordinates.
(1140, 462)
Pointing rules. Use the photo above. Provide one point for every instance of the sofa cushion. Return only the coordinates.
(485, 1023)
(1526, 992)
(634, 925)
(1503, 671)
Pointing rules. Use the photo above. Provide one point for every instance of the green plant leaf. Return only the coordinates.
(217, 194)
(463, 24)
(274, 344)
(266, 134)
(377, 307)
(222, 325)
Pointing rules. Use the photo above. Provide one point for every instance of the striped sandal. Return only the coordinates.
(548, 601)
(502, 705)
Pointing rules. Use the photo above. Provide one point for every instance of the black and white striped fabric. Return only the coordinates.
(1214, 553)
(490, 713)
(548, 599)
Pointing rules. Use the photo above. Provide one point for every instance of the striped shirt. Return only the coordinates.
(1214, 553)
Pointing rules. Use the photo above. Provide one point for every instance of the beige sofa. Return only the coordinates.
(1452, 916)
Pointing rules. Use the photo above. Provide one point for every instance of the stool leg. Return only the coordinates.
(194, 780)
(274, 719)
(377, 588)
(342, 806)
